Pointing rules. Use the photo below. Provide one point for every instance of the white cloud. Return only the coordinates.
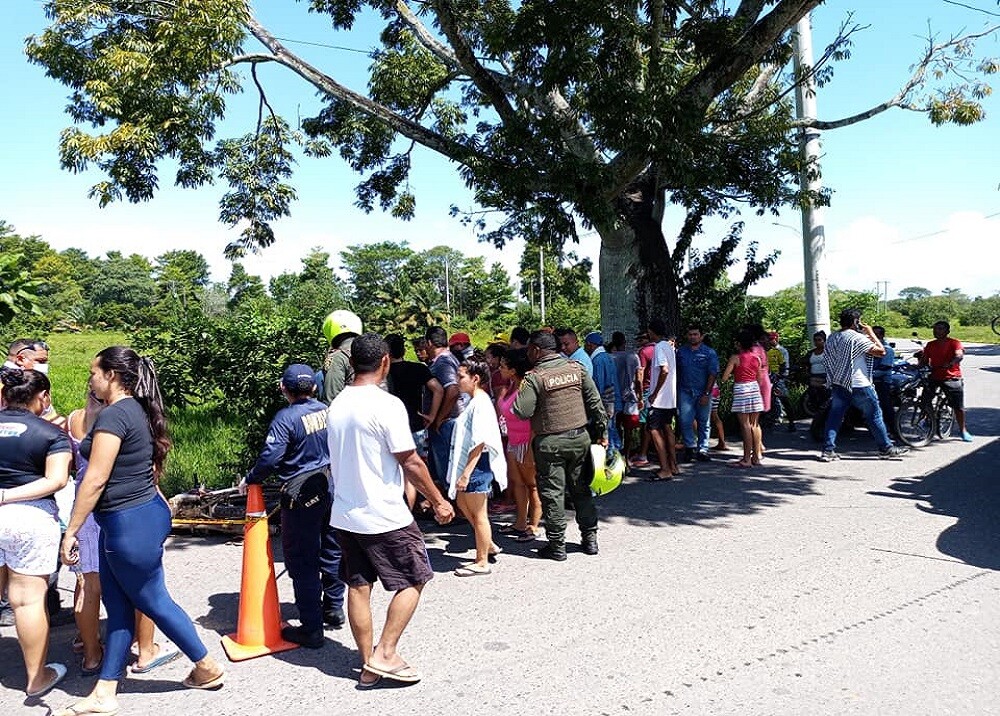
(959, 253)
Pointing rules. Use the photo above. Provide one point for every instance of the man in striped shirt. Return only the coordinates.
(850, 354)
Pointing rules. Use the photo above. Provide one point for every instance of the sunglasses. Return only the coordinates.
(35, 346)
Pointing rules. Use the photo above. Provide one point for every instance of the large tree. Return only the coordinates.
(555, 112)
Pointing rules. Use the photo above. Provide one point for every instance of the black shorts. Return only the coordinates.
(661, 418)
(398, 558)
(954, 392)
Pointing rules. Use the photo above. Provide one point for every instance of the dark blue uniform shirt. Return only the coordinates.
(295, 444)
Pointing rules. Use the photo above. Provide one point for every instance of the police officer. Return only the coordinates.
(560, 398)
(340, 328)
(296, 451)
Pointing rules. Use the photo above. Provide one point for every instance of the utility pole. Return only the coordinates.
(813, 233)
(541, 280)
(447, 285)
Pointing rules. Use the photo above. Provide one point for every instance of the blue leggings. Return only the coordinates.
(131, 568)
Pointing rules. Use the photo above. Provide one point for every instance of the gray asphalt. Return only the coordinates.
(857, 587)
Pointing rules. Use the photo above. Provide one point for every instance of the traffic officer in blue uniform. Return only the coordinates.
(296, 451)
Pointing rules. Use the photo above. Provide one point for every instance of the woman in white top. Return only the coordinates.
(477, 458)
(817, 360)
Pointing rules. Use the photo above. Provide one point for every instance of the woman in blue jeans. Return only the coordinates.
(126, 449)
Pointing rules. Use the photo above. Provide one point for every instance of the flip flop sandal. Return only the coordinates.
(507, 529)
(168, 652)
(396, 674)
(215, 683)
(657, 478)
(74, 710)
(368, 684)
(60, 675)
(472, 572)
(91, 670)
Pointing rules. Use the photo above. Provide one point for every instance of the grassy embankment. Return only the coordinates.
(203, 440)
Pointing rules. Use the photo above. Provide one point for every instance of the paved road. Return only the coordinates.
(856, 587)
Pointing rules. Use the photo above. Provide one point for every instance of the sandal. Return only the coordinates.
(60, 672)
(78, 709)
(213, 683)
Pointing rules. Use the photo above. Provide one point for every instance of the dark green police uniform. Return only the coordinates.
(560, 399)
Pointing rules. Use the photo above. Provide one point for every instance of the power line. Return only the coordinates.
(937, 233)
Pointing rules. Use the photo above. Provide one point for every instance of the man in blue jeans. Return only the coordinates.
(697, 366)
(850, 354)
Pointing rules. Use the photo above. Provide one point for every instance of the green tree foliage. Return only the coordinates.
(912, 293)
(18, 290)
(123, 290)
(553, 112)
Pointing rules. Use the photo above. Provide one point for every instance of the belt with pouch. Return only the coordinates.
(305, 490)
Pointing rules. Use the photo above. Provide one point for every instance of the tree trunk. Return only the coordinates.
(617, 270)
(638, 280)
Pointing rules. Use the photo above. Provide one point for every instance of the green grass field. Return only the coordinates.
(204, 452)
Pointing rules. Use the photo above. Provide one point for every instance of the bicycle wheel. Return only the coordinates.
(945, 420)
(913, 424)
(996, 325)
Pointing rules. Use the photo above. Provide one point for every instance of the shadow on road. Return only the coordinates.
(968, 490)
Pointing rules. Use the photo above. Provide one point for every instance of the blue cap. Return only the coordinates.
(595, 338)
(299, 378)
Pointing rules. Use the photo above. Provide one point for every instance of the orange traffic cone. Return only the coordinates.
(259, 629)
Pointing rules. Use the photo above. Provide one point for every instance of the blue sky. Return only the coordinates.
(912, 204)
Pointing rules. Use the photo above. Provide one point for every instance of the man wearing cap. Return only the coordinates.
(461, 346)
(606, 380)
(296, 450)
(560, 398)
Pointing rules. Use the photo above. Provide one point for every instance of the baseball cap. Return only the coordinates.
(594, 337)
(298, 378)
(457, 338)
(501, 338)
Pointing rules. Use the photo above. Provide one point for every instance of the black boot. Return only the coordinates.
(588, 543)
(303, 637)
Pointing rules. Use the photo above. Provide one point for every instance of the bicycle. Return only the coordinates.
(920, 416)
(995, 325)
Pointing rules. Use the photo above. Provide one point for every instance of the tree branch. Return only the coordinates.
(484, 80)
(900, 99)
(323, 82)
(423, 35)
(729, 66)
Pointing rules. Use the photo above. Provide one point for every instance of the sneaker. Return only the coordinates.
(829, 456)
(588, 543)
(893, 451)
(549, 551)
(334, 618)
(303, 637)
(702, 456)
(966, 436)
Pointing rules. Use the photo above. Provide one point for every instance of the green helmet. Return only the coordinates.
(341, 321)
(609, 469)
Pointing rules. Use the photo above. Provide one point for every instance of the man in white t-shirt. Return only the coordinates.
(663, 401)
(371, 454)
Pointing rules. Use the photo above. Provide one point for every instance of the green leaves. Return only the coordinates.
(149, 78)
(256, 167)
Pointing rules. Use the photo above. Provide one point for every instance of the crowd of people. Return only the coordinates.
(365, 443)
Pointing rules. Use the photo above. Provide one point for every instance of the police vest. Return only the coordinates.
(560, 397)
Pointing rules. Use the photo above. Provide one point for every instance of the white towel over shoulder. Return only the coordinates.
(476, 424)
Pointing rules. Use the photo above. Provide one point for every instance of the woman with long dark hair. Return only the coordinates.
(745, 367)
(34, 465)
(126, 450)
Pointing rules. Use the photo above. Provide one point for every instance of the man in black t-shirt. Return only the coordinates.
(413, 384)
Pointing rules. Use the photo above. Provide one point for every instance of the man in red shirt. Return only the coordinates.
(944, 357)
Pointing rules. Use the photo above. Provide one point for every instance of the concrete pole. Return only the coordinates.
(541, 280)
(813, 234)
